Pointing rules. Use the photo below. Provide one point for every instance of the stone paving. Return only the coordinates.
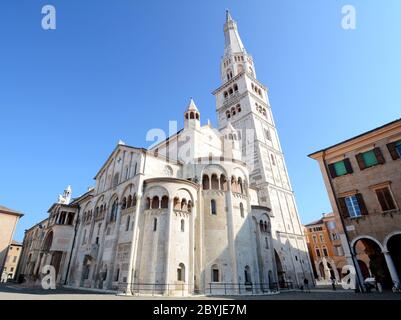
(16, 292)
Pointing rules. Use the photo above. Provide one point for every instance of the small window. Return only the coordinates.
(154, 224)
(213, 207)
(267, 135)
(395, 149)
(273, 161)
(353, 206)
(215, 275)
(241, 208)
(385, 199)
(181, 272)
(325, 253)
(266, 243)
(318, 252)
(182, 225)
(127, 223)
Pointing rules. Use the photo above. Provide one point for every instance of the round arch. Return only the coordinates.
(354, 241)
(388, 237)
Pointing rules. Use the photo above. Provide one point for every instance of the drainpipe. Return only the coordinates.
(73, 244)
(359, 282)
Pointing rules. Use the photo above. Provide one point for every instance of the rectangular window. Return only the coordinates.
(215, 275)
(321, 238)
(314, 239)
(395, 149)
(340, 168)
(317, 252)
(353, 206)
(385, 199)
(15, 259)
(370, 158)
(398, 148)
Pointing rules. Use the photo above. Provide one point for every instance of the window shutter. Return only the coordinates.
(379, 155)
(348, 166)
(361, 203)
(361, 162)
(393, 151)
(343, 208)
(332, 170)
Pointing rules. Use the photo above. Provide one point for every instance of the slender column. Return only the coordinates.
(230, 234)
(391, 267)
(134, 244)
(168, 240)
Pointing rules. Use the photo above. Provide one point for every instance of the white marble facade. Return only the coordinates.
(209, 210)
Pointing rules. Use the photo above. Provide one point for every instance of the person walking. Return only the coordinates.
(306, 285)
(333, 283)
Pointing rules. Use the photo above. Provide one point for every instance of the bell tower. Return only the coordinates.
(242, 101)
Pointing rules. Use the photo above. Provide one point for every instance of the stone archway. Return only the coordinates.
(394, 250)
(370, 252)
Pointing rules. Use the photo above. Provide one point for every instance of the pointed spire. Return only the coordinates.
(233, 42)
(228, 16)
(192, 106)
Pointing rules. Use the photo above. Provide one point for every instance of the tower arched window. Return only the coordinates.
(235, 87)
(164, 203)
(124, 203)
(215, 182)
(223, 182)
(213, 207)
(155, 202)
(192, 115)
(238, 108)
(205, 182)
(273, 161)
(230, 91)
(228, 114)
(177, 204)
(184, 206)
(129, 201)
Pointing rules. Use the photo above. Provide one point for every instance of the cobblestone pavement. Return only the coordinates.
(17, 292)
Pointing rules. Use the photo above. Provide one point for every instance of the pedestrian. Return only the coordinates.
(333, 283)
(306, 285)
(4, 276)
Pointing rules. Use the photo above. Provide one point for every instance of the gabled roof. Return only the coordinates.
(119, 145)
(6, 210)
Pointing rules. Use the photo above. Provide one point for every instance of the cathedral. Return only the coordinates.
(207, 211)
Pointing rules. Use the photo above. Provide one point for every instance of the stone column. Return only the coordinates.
(167, 244)
(391, 267)
(134, 244)
(230, 235)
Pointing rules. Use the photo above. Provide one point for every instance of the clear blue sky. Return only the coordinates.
(114, 69)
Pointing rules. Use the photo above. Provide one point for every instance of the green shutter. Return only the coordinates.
(370, 158)
(340, 168)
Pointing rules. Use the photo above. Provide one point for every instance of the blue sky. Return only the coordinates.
(115, 69)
